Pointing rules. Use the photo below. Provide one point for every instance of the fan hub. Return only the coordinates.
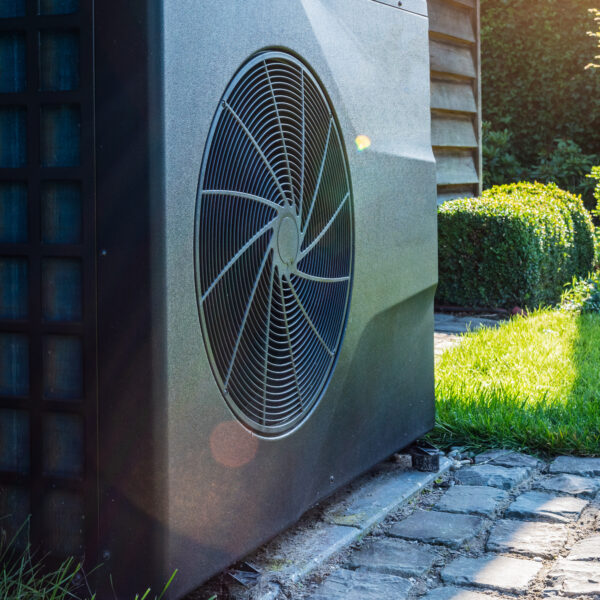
(288, 240)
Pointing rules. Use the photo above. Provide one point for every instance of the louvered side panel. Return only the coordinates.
(455, 96)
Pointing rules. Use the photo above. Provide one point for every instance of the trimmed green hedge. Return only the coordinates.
(516, 245)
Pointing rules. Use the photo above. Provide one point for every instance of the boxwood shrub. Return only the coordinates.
(516, 245)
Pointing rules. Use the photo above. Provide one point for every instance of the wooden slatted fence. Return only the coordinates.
(455, 96)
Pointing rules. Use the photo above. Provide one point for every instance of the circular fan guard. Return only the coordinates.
(274, 243)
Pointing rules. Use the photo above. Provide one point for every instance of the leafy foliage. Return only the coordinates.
(595, 34)
(500, 165)
(565, 165)
(517, 244)
(583, 295)
(568, 167)
(595, 174)
(534, 81)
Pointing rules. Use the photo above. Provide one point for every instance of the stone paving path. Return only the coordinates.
(448, 329)
(507, 526)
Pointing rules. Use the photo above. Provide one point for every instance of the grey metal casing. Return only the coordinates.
(219, 490)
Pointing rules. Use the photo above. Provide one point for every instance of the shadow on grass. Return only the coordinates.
(482, 404)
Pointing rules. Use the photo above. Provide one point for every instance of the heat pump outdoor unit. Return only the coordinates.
(217, 269)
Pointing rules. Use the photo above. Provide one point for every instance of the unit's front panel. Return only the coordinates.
(230, 488)
(47, 273)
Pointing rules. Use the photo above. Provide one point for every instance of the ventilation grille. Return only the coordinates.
(274, 234)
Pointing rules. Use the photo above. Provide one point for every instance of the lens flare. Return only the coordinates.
(362, 142)
(232, 446)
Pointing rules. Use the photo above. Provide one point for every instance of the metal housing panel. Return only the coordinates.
(224, 502)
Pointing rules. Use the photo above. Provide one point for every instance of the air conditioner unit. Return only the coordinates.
(217, 269)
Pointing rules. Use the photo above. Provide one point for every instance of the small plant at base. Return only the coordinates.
(583, 295)
(24, 576)
(146, 594)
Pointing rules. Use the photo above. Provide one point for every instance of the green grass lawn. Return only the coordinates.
(531, 384)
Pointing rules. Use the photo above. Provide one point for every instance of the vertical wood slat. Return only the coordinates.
(452, 132)
(456, 168)
(452, 59)
(451, 21)
(453, 96)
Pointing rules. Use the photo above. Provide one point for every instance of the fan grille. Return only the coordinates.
(274, 243)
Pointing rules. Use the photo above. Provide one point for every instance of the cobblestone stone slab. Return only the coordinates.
(394, 557)
(454, 593)
(344, 584)
(585, 467)
(434, 527)
(490, 475)
(528, 538)
(379, 497)
(499, 573)
(508, 458)
(586, 549)
(471, 499)
(570, 484)
(540, 506)
(575, 578)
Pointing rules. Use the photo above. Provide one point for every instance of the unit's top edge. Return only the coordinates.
(418, 7)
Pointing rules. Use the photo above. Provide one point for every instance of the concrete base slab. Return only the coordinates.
(377, 498)
(394, 557)
(490, 475)
(575, 578)
(540, 506)
(344, 584)
(499, 573)
(296, 553)
(434, 527)
(527, 538)
(476, 500)
(300, 550)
